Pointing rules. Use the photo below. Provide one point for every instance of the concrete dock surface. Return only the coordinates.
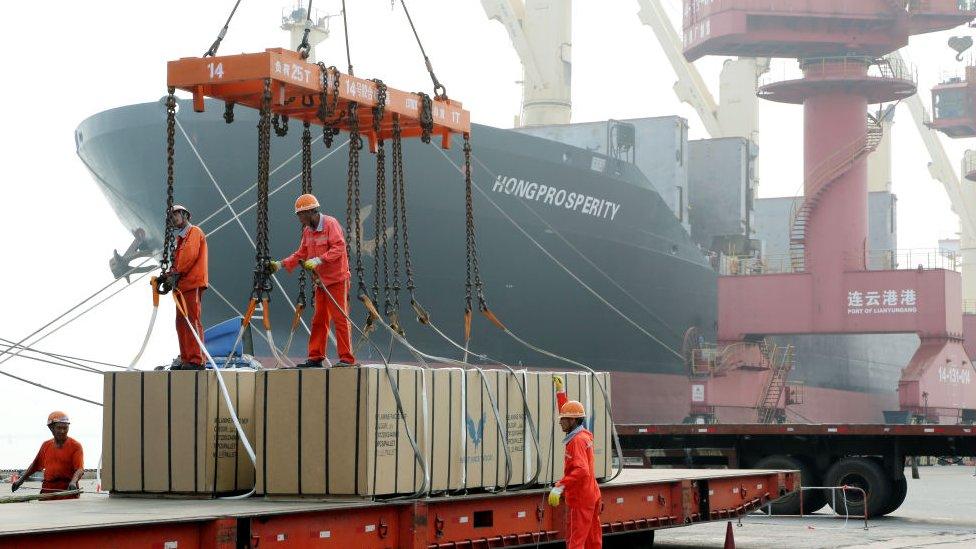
(940, 512)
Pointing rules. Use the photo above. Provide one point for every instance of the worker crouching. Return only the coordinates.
(578, 484)
(61, 459)
(323, 252)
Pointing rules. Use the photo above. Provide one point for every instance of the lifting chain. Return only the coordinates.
(380, 109)
(426, 117)
(306, 157)
(229, 112)
(306, 189)
(169, 230)
(325, 112)
(469, 225)
(352, 194)
(280, 124)
(379, 223)
(262, 258)
(395, 201)
(398, 174)
(387, 304)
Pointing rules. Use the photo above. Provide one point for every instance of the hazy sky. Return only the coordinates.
(65, 61)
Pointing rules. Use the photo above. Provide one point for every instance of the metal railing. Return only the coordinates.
(749, 265)
(924, 258)
(711, 358)
(695, 10)
(877, 260)
(882, 68)
(837, 506)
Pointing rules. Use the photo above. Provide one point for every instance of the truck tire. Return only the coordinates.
(863, 473)
(899, 490)
(813, 501)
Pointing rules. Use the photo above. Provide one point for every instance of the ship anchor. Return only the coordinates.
(120, 263)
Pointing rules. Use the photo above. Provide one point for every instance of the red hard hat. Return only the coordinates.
(572, 409)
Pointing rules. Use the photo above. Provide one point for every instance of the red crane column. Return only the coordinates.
(837, 232)
(840, 45)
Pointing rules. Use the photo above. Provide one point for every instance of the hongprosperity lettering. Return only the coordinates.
(556, 197)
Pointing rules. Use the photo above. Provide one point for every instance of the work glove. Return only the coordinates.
(557, 382)
(72, 486)
(311, 264)
(171, 279)
(274, 266)
(554, 496)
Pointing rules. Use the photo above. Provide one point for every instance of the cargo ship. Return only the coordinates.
(583, 253)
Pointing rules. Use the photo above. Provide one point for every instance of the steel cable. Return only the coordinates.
(507, 331)
(223, 32)
(79, 304)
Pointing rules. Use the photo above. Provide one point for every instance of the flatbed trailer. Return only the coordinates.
(635, 505)
(870, 457)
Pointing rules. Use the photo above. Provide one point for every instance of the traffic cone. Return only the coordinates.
(729, 537)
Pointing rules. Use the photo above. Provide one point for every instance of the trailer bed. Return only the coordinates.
(639, 501)
(871, 457)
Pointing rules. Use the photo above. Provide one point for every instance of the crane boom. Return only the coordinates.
(690, 87)
(940, 167)
(511, 13)
(540, 31)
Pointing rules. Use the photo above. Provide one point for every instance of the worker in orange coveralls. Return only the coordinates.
(579, 478)
(61, 459)
(323, 251)
(189, 274)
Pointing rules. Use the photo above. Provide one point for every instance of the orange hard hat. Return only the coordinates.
(306, 202)
(572, 409)
(57, 417)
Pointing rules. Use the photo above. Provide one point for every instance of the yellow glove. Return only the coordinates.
(275, 266)
(311, 264)
(557, 382)
(554, 496)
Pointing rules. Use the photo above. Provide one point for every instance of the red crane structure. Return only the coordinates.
(840, 47)
(954, 106)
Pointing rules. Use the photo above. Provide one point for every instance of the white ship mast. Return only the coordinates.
(293, 20)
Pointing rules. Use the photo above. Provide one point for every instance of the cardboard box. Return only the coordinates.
(337, 431)
(448, 429)
(482, 441)
(542, 403)
(171, 433)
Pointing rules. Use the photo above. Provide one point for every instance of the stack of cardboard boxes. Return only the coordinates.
(341, 432)
(171, 433)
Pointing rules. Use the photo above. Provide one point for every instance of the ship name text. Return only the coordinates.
(556, 197)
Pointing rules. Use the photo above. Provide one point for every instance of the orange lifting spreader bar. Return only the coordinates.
(296, 88)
